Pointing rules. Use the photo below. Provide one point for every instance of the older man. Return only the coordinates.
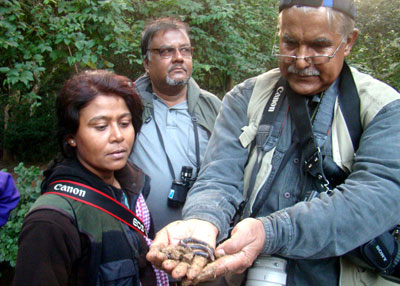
(178, 119)
(309, 152)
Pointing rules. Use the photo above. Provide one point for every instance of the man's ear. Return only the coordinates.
(146, 64)
(351, 39)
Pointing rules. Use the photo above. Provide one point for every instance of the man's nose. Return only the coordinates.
(302, 61)
(177, 55)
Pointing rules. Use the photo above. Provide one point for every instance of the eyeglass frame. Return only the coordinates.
(309, 59)
(175, 49)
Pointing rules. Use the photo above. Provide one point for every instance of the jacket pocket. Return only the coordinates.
(118, 273)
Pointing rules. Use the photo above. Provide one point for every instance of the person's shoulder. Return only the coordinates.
(141, 87)
(50, 215)
(205, 97)
(209, 96)
(129, 171)
(375, 96)
(142, 82)
(68, 169)
(366, 84)
(272, 74)
(270, 77)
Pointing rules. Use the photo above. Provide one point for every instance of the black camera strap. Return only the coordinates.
(97, 199)
(197, 144)
(311, 153)
(266, 127)
(264, 132)
(313, 162)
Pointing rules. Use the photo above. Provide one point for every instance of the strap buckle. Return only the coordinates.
(313, 165)
(263, 133)
(313, 160)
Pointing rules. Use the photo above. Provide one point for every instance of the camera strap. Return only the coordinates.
(197, 144)
(313, 161)
(312, 157)
(266, 127)
(97, 199)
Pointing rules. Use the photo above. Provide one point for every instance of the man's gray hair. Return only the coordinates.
(336, 19)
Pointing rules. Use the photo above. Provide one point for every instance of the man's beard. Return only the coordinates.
(173, 82)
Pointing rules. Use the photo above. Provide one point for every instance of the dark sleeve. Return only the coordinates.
(49, 245)
(9, 196)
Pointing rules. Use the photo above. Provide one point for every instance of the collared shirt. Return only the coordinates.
(176, 127)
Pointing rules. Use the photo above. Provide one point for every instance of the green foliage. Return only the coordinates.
(377, 51)
(30, 135)
(43, 42)
(28, 185)
(232, 39)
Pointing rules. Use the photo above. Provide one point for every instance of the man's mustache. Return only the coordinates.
(174, 66)
(310, 71)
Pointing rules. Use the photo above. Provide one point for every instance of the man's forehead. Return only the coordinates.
(165, 31)
(312, 24)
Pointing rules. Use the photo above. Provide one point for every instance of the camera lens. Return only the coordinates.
(267, 271)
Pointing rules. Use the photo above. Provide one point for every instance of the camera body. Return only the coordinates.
(267, 271)
(179, 189)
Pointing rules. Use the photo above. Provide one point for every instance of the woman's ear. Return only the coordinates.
(71, 142)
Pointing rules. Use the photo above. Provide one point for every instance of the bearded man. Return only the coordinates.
(178, 118)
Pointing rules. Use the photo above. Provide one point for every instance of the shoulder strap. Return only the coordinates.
(349, 101)
(312, 157)
(266, 127)
(97, 199)
(311, 154)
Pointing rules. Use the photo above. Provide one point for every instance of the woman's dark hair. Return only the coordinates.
(80, 90)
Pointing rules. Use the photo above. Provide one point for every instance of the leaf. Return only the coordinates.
(71, 61)
(91, 65)
(79, 45)
(27, 75)
(4, 69)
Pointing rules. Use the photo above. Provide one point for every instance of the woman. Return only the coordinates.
(89, 226)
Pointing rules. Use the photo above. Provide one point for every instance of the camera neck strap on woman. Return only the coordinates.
(97, 199)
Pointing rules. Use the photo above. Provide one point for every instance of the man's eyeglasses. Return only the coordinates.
(169, 52)
(316, 60)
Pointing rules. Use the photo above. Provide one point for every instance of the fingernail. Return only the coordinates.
(220, 252)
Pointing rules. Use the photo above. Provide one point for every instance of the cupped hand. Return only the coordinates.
(172, 234)
(238, 252)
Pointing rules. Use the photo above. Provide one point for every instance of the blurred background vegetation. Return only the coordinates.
(43, 42)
